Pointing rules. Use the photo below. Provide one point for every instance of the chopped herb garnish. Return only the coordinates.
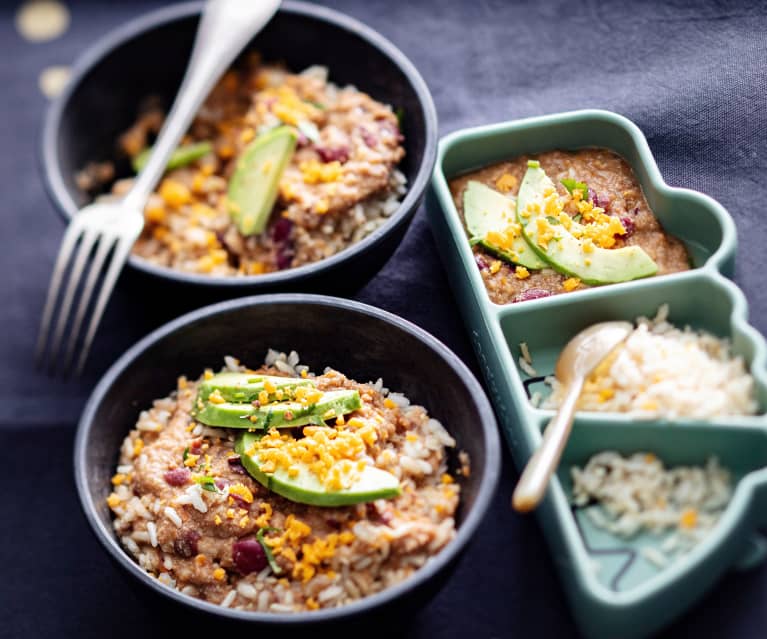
(317, 105)
(552, 220)
(400, 113)
(573, 185)
(267, 549)
(577, 218)
(207, 482)
(186, 453)
(309, 130)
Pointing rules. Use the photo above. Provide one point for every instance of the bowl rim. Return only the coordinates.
(119, 36)
(490, 469)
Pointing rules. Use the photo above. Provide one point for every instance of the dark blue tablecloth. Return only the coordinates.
(693, 76)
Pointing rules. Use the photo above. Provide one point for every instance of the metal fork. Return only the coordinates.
(112, 227)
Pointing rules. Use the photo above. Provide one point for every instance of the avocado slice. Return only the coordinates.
(253, 186)
(279, 415)
(244, 387)
(488, 210)
(306, 488)
(565, 252)
(183, 155)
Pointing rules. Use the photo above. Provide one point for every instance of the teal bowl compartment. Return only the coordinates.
(700, 222)
(548, 326)
(642, 599)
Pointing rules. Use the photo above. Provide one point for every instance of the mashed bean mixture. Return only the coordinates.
(612, 186)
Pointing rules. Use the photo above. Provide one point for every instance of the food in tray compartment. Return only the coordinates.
(637, 493)
(302, 492)
(278, 170)
(560, 222)
(662, 371)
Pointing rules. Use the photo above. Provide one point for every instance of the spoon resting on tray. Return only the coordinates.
(583, 354)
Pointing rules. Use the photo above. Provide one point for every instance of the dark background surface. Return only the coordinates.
(692, 76)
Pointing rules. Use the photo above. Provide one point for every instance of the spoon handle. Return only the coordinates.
(226, 26)
(535, 478)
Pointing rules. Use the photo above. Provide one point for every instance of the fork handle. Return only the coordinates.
(225, 28)
(535, 478)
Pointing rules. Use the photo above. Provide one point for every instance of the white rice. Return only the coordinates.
(171, 514)
(636, 494)
(662, 371)
(526, 368)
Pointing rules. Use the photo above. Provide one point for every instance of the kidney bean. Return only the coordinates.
(235, 465)
(480, 261)
(248, 556)
(340, 154)
(185, 544)
(177, 476)
(531, 294)
(281, 229)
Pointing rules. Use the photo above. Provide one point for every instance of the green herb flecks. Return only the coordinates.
(267, 549)
(207, 483)
(573, 185)
(182, 156)
(400, 113)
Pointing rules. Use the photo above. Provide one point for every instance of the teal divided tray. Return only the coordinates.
(614, 591)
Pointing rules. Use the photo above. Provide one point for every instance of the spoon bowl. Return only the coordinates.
(582, 354)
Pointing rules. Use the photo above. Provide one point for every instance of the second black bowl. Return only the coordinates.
(148, 56)
(360, 341)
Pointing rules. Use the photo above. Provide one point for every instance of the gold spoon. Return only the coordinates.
(582, 355)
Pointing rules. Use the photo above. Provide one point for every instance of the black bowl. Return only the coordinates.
(363, 342)
(148, 56)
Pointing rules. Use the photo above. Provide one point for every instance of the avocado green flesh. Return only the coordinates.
(281, 415)
(565, 252)
(306, 488)
(487, 210)
(253, 186)
(242, 387)
(182, 156)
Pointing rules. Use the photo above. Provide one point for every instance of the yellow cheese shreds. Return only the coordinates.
(545, 231)
(217, 520)
(118, 479)
(191, 460)
(269, 386)
(216, 397)
(504, 239)
(390, 403)
(606, 394)
(326, 451)
(174, 193)
(113, 501)
(521, 273)
(208, 374)
(571, 283)
(495, 267)
(446, 479)
(552, 205)
(155, 212)
(263, 397)
(219, 574)
(262, 521)
(242, 491)
(688, 518)
(505, 183)
(316, 172)
(322, 206)
(312, 604)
